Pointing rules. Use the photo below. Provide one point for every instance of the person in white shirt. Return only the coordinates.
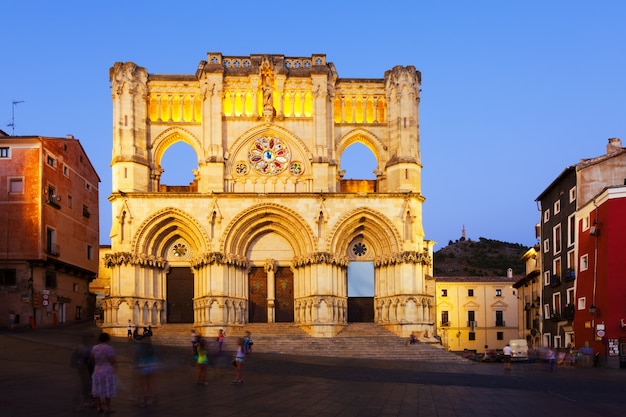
(507, 351)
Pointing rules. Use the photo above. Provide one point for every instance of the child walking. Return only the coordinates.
(203, 362)
(239, 357)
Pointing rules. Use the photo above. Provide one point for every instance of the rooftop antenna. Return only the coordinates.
(12, 124)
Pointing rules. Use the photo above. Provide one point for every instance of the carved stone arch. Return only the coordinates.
(169, 137)
(267, 129)
(298, 148)
(374, 227)
(267, 218)
(368, 139)
(161, 228)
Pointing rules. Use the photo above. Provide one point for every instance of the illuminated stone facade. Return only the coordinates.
(268, 227)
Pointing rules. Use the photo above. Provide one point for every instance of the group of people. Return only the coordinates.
(95, 366)
(200, 349)
(134, 334)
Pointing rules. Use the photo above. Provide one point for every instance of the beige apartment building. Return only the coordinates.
(268, 228)
(476, 313)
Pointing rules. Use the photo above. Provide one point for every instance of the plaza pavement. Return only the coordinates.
(36, 380)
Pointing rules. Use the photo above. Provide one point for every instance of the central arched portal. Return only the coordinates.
(270, 280)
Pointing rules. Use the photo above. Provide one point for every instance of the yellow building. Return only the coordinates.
(268, 228)
(476, 313)
(529, 290)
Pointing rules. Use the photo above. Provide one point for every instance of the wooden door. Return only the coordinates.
(360, 309)
(180, 295)
(257, 297)
(284, 295)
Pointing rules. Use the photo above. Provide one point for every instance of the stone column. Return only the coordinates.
(270, 270)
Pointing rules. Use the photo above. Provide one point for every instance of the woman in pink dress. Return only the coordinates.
(103, 379)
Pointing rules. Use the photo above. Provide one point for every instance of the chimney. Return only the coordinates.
(615, 144)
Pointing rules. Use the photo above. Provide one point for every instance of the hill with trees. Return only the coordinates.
(485, 258)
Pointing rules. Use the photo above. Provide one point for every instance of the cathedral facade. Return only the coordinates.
(268, 227)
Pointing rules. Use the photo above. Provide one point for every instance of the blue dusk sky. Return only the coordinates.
(512, 91)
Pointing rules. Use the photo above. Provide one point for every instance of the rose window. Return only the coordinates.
(269, 156)
(359, 249)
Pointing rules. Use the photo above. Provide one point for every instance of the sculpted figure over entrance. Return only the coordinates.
(269, 133)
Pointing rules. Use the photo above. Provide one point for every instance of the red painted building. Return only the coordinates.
(49, 231)
(601, 283)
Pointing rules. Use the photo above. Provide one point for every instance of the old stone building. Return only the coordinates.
(268, 227)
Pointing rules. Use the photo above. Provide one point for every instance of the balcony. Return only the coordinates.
(500, 323)
(52, 249)
(53, 200)
(568, 312)
(569, 275)
(444, 324)
(472, 324)
(555, 281)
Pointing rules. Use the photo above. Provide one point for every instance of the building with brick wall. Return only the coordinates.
(49, 230)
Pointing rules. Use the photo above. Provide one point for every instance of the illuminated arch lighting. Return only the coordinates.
(368, 140)
(170, 137)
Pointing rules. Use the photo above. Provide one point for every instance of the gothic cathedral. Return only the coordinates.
(268, 227)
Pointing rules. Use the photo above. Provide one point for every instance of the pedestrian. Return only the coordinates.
(247, 343)
(82, 364)
(551, 359)
(238, 362)
(136, 335)
(220, 340)
(202, 361)
(194, 345)
(129, 330)
(103, 379)
(507, 352)
(146, 363)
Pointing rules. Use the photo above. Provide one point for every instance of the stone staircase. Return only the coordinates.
(356, 340)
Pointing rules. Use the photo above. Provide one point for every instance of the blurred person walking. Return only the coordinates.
(103, 379)
(238, 362)
(507, 351)
(146, 363)
(202, 362)
(81, 362)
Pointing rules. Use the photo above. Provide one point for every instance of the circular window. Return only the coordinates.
(179, 250)
(269, 156)
(359, 249)
(241, 168)
(296, 168)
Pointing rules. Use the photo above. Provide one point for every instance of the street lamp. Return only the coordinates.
(592, 309)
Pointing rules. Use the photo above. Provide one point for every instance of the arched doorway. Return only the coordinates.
(360, 291)
(180, 295)
(270, 287)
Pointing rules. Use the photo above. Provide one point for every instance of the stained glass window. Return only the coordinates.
(269, 156)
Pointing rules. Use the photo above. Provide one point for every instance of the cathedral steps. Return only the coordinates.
(356, 340)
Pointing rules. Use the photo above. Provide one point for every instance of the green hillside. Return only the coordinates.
(484, 258)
